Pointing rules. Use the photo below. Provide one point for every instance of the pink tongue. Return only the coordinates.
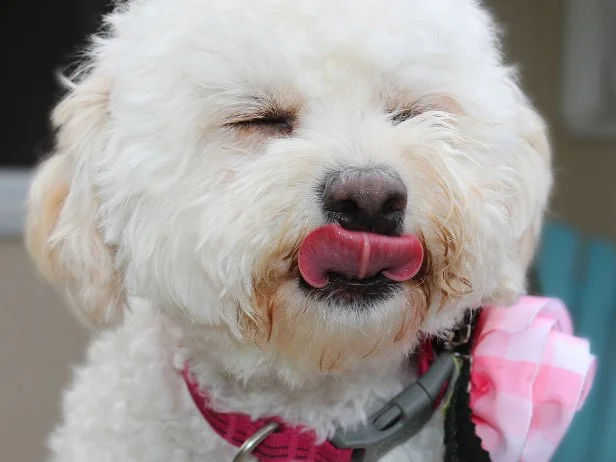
(357, 255)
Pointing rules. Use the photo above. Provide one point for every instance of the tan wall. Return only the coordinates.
(586, 191)
(39, 339)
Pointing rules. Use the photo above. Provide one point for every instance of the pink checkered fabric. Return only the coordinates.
(530, 375)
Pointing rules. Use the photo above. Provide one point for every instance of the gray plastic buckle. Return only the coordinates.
(401, 418)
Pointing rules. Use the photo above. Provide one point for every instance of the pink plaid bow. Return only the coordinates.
(529, 377)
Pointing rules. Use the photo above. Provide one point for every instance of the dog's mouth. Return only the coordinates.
(351, 267)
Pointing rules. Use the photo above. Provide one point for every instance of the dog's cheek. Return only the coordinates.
(448, 215)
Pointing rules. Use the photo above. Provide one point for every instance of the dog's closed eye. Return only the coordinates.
(431, 103)
(402, 115)
(268, 124)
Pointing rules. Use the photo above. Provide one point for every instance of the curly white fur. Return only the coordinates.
(155, 208)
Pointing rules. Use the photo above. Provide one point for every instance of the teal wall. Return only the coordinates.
(581, 271)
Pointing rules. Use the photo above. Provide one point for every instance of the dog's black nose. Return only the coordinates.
(366, 200)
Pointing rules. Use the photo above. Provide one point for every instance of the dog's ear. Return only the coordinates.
(529, 191)
(537, 173)
(62, 233)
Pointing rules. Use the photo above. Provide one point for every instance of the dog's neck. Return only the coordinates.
(246, 379)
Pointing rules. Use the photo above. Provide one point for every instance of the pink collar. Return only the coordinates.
(286, 444)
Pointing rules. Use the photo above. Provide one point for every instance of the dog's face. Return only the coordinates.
(325, 179)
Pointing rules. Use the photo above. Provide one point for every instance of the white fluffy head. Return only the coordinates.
(156, 191)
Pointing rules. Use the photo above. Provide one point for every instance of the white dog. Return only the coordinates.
(284, 196)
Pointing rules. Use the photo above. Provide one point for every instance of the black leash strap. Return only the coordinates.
(407, 413)
(461, 441)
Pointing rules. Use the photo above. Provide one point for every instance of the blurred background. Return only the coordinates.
(566, 50)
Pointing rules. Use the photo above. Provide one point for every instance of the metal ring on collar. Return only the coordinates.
(255, 440)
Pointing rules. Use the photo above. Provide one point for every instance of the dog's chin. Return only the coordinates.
(356, 294)
(339, 327)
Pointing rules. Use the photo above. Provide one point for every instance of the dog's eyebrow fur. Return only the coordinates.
(258, 107)
(282, 102)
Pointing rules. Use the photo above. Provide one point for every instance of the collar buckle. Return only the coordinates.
(401, 418)
(254, 440)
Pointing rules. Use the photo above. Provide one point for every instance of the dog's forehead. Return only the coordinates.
(239, 40)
